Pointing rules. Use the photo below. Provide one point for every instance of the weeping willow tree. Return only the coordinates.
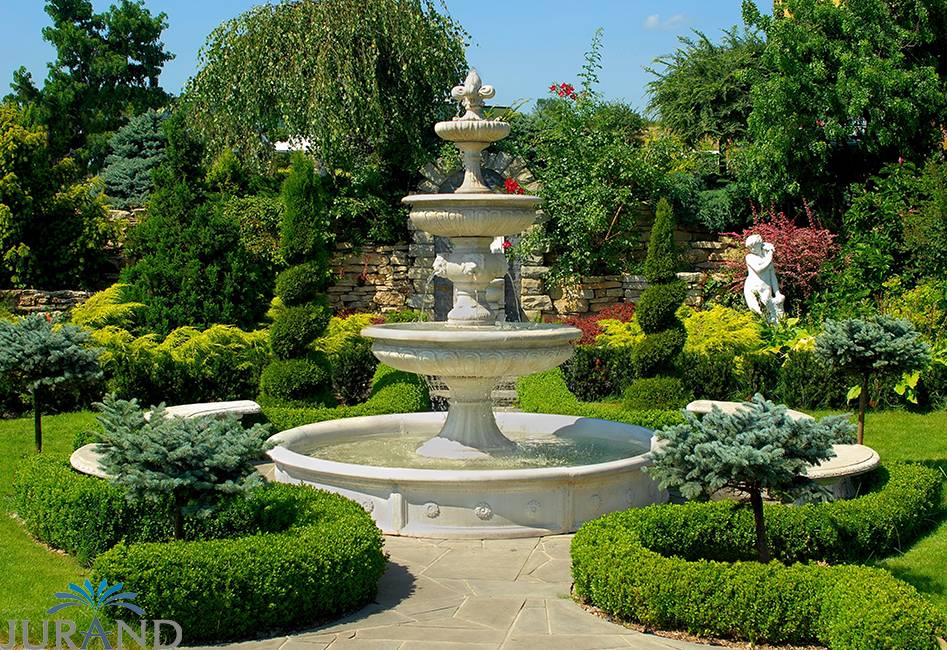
(362, 81)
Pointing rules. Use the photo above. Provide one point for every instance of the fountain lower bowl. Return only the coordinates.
(503, 350)
(473, 503)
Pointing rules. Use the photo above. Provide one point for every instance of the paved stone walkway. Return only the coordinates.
(446, 594)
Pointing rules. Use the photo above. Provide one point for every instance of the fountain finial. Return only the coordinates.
(471, 94)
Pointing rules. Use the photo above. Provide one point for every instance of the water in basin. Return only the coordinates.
(398, 450)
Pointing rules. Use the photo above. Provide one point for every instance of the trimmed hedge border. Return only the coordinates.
(393, 391)
(660, 567)
(546, 392)
(279, 558)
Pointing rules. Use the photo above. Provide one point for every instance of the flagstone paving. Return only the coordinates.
(476, 594)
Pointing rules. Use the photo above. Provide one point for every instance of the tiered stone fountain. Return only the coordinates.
(475, 473)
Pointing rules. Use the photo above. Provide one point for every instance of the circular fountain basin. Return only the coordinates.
(501, 350)
(472, 215)
(465, 502)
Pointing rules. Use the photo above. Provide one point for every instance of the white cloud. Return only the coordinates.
(654, 21)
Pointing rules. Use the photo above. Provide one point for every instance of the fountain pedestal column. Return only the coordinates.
(470, 430)
(471, 267)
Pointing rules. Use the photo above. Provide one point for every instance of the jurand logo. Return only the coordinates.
(97, 600)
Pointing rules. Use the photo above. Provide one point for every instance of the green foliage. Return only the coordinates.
(295, 328)
(657, 308)
(758, 448)
(806, 381)
(663, 259)
(217, 364)
(711, 376)
(344, 331)
(848, 88)
(191, 268)
(353, 368)
(301, 283)
(680, 567)
(306, 232)
(43, 358)
(53, 229)
(107, 308)
(881, 345)
(546, 392)
(303, 379)
(260, 219)
(658, 353)
(144, 455)
(106, 68)
(721, 331)
(392, 392)
(703, 89)
(598, 371)
(136, 151)
(925, 306)
(656, 393)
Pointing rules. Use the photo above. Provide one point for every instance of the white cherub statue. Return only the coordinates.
(761, 289)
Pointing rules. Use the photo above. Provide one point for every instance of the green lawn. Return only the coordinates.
(30, 574)
(897, 435)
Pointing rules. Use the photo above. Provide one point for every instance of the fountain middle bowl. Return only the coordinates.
(501, 350)
(472, 215)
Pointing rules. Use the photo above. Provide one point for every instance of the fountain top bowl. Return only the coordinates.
(498, 335)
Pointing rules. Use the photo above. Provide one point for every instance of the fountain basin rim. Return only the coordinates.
(482, 200)
(283, 455)
(440, 333)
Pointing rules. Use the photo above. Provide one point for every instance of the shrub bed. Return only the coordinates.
(546, 392)
(392, 392)
(280, 557)
(660, 567)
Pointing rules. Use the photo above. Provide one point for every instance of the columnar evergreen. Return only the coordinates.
(41, 357)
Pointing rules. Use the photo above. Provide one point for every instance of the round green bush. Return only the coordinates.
(808, 382)
(658, 353)
(353, 367)
(661, 567)
(657, 308)
(712, 376)
(657, 393)
(295, 328)
(302, 283)
(297, 380)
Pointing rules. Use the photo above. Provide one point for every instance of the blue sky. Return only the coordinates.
(519, 46)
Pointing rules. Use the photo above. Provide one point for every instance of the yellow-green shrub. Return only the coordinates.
(107, 308)
(616, 333)
(342, 331)
(721, 330)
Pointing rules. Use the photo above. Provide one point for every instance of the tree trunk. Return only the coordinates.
(178, 517)
(37, 420)
(862, 405)
(762, 549)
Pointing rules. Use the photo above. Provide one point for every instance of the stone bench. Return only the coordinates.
(86, 459)
(836, 474)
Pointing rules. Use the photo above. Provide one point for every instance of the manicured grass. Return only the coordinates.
(30, 573)
(897, 435)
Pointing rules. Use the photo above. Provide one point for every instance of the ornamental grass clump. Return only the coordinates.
(758, 449)
(194, 460)
(42, 357)
(879, 346)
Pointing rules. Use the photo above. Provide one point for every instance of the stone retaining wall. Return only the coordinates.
(31, 301)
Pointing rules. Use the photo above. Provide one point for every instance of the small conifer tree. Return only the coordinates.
(879, 346)
(194, 460)
(760, 448)
(40, 356)
(137, 150)
(656, 310)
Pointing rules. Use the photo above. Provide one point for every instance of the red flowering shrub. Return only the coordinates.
(507, 245)
(564, 90)
(623, 311)
(801, 251)
(512, 187)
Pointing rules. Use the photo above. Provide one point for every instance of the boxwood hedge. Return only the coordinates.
(278, 558)
(546, 392)
(683, 568)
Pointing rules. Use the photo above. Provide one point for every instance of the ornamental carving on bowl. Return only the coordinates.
(533, 507)
(432, 510)
(368, 505)
(483, 511)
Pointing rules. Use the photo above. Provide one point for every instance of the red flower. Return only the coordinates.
(512, 187)
(507, 245)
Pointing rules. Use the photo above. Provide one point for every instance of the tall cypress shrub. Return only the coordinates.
(298, 373)
(657, 309)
